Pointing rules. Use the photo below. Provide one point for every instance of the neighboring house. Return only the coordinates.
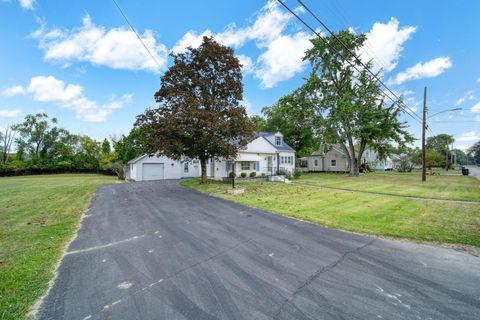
(371, 157)
(333, 160)
(160, 167)
(266, 154)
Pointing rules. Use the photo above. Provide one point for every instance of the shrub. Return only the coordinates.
(297, 173)
(231, 175)
(263, 174)
(243, 174)
(119, 168)
(253, 174)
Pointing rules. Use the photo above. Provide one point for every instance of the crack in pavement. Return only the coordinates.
(317, 274)
(109, 306)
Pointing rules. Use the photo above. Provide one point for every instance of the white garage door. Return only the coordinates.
(152, 171)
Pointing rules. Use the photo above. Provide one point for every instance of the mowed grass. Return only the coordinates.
(441, 186)
(423, 220)
(38, 215)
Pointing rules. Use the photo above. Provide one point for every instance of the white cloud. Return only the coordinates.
(283, 59)
(10, 113)
(71, 96)
(190, 39)
(13, 91)
(117, 48)
(476, 107)
(27, 4)
(246, 62)
(466, 97)
(384, 44)
(468, 136)
(428, 69)
(282, 53)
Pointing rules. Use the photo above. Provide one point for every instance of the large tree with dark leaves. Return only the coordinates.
(200, 113)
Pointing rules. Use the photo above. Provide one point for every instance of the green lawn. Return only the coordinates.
(38, 215)
(424, 220)
(409, 184)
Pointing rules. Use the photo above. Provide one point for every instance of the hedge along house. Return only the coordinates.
(267, 154)
(333, 160)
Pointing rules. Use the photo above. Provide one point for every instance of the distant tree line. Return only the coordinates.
(40, 145)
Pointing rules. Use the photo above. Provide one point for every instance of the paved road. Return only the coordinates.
(474, 171)
(155, 250)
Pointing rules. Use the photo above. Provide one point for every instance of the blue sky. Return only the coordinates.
(78, 61)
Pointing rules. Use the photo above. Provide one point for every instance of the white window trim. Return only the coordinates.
(245, 163)
(278, 140)
(331, 163)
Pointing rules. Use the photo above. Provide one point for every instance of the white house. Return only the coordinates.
(267, 154)
(371, 157)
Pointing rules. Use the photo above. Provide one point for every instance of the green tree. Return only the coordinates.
(37, 137)
(349, 106)
(460, 156)
(106, 148)
(295, 116)
(6, 139)
(474, 153)
(88, 154)
(129, 147)
(440, 143)
(200, 113)
(433, 158)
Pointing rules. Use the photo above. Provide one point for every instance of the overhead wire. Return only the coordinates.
(138, 36)
(410, 111)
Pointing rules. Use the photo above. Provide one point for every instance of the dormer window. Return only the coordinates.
(278, 140)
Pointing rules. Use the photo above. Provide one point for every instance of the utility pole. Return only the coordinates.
(424, 127)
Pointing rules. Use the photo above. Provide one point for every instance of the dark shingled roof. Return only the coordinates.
(282, 147)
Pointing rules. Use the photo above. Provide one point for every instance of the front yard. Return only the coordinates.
(383, 215)
(443, 186)
(38, 215)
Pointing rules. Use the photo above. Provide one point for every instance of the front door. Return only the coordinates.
(269, 164)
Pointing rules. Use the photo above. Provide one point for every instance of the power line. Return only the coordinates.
(354, 56)
(334, 49)
(138, 36)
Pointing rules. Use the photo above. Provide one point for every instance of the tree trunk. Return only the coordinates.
(203, 165)
(355, 169)
(446, 159)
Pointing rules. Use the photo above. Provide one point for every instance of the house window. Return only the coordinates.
(304, 164)
(278, 140)
(333, 163)
(316, 163)
(185, 167)
(289, 160)
(245, 165)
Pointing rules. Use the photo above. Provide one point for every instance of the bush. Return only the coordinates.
(263, 174)
(231, 175)
(253, 174)
(243, 174)
(119, 168)
(297, 173)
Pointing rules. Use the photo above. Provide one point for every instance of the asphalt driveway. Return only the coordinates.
(156, 250)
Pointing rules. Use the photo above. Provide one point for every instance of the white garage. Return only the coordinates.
(145, 168)
(152, 171)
